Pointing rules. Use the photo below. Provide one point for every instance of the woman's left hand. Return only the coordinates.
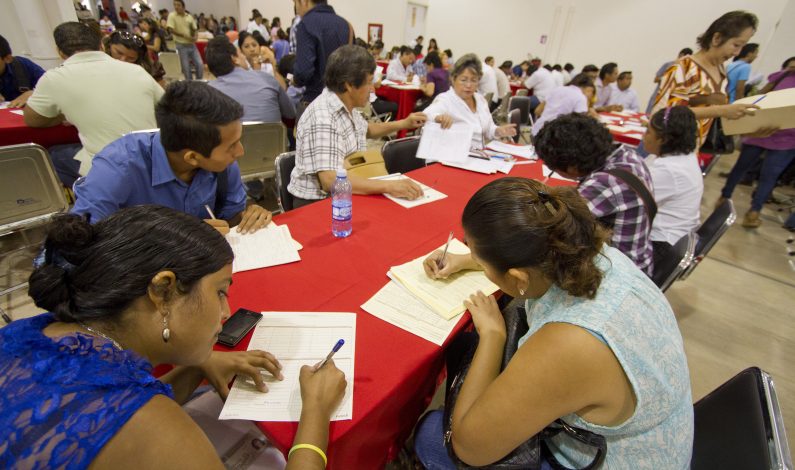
(508, 130)
(221, 367)
(486, 314)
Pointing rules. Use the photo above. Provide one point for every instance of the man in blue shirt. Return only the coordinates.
(18, 76)
(189, 164)
(739, 71)
(261, 96)
(320, 32)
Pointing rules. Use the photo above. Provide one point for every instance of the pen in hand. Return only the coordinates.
(210, 211)
(440, 261)
(331, 354)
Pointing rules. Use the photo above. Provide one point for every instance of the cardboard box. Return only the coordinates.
(776, 109)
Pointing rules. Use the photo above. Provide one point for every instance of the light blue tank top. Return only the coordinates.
(631, 316)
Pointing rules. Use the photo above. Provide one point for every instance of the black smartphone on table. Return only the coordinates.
(238, 326)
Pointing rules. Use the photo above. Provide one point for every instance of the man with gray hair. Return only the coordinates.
(332, 128)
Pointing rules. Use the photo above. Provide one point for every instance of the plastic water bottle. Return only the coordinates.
(341, 205)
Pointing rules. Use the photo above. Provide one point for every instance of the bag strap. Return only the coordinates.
(583, 436)
(640, 189)
(221, 188)
(21, 76)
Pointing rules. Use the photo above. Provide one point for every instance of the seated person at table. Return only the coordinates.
(188, 164)
(18, 76)
(462, 103)
(541, 82)
(603, 352)
(146, 286)
(605, 87)
(131, 48)
(488, 82)
(579, 147)
(436, 82)
(503, 84)
(399, 69)
(592, 71)
(262, 97)
(676, 174)
(623, 95)
(331, 129)
(573, 98)
(104, 98)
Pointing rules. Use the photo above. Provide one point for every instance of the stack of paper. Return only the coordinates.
(776, 109)
(522, 151)
(481, 165)
(445, 297)
(428, 193)
(445, 145)
(269, 246)
(296, 339)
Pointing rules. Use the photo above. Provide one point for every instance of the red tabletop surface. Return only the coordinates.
(516, 86)
(13, 130)
(631, 138)
(383, 63)
(395, 372)
(405, 99)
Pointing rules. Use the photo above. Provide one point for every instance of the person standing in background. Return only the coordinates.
(183, 26)
(739, 71)
(660, 72)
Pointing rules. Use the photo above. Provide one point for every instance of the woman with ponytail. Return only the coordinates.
(603, 352)
(146, 286)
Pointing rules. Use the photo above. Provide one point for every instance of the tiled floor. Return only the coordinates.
(736, 310)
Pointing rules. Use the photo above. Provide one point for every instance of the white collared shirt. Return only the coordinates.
(626, 98)
(451, 104)
(678, 187)
(603, 92)
(488, 82)
(396, 71)
(541, 82)
(503, 84)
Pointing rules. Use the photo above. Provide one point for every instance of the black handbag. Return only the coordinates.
(716, 142)
(528, 456)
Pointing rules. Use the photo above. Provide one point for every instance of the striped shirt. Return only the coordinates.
(327, 133)
(619, 207)
(684, 80)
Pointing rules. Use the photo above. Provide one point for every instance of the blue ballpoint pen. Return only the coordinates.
(333, 350)
(759, 99)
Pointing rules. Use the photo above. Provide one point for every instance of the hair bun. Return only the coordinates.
(69, 234)
(49, 289)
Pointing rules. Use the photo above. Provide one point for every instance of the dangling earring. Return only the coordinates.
(521, 291)
(166, 331)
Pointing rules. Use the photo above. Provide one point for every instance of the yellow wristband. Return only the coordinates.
(310, 447)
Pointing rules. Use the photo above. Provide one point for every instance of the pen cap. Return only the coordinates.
(342, 173)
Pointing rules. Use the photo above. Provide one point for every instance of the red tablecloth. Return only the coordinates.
(629, 137)
(405, 99)
(516, 87)
(13, 130)
(383, 63)
(201, 46)
(395, 372)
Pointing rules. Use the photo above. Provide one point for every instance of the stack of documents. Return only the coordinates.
(269, 246)
(428, 193)
(776, 109)
(445, 145)
(423, 306)
(296, 339)
(521, 151)
(482, 165)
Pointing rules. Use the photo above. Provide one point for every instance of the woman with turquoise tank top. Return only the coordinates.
(603, 352)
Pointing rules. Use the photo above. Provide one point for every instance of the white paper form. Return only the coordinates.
(268, 246)
(444, 296)
(428, 193)
(296, 339)
(523, 151)
(545, 170)
(480, 165)
(445, 145)
(398, 306)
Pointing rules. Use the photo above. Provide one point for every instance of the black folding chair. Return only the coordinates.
(710, 232)
(739, 426)
(400, 155)
(515, 117)
(284, 167)
(670, 269)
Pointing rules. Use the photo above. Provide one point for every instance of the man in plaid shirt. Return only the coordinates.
(579, 147)
(332, 128)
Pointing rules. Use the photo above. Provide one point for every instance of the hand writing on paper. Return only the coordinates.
(445, 120)
(452, 264)
(218, 224)
(322, 389)
(221, 367)
(404, 188)
(254, 218)
(486, 314)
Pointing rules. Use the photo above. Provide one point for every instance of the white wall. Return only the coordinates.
(28, 26)
(637, 34)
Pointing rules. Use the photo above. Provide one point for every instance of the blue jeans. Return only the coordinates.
(429, 444)
(190, 53)
(776, 161)
(63, 161)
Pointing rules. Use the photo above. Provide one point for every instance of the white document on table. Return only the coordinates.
(269, 246)
(523, 151)
(4, 104)
(481, 165)
(428, 193)
(395, 305)
(545, 170)
(389, 82)
(445, 145)
(18, 111)
(296, 339)
(445, 297)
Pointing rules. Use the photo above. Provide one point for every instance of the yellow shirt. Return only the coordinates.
(182, 24)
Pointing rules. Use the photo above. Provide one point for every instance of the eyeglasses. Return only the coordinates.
(468, 81)
(128, 38)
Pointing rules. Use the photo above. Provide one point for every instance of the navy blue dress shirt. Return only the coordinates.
(320, 32)
(9, 86)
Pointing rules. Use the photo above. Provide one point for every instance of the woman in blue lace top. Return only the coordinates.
(148, 285)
